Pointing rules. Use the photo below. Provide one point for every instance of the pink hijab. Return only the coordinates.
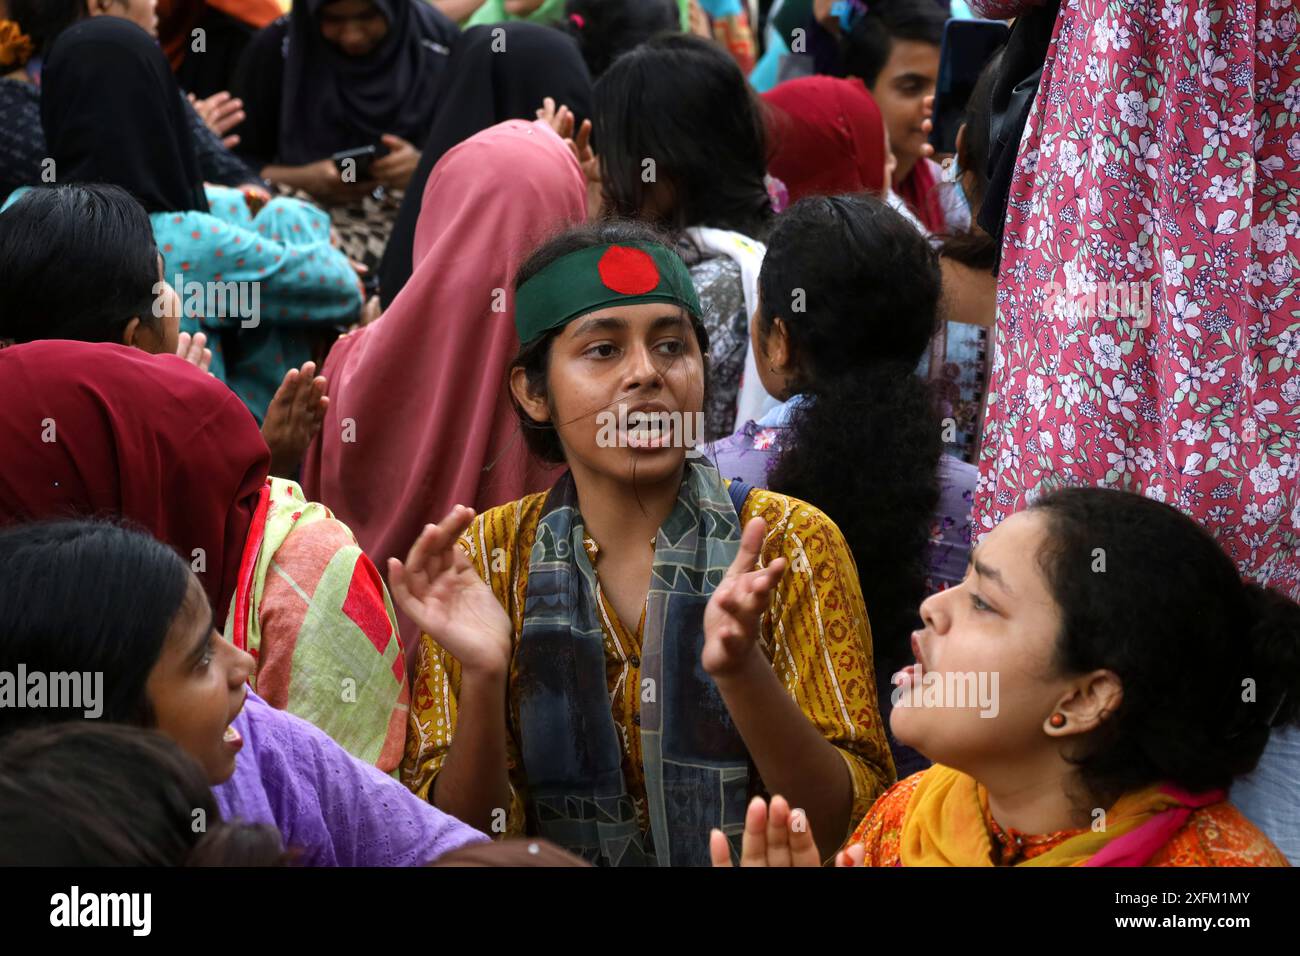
(419, 417)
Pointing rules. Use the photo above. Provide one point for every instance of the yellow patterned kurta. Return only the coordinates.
(815, 632)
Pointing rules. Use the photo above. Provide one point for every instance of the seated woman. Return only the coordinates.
(103, 429)
(565, 688)
(90, 794)
(484, 88)
(338, 75)
(22, 141)
(1136, 676)
(391, 459)
(682, 145)
(80, 263)
(838, 335)
(146, 627)
(267, 289)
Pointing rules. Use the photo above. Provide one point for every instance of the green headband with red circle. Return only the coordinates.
(599, 277)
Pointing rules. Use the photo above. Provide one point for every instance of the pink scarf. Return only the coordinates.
(419, 417)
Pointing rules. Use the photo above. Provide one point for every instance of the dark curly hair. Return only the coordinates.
(542, 439)
(682, 102)
(865, 448)
(1146, 592)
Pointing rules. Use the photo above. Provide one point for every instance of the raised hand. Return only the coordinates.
(440, 591)
(221, 113)
(294, 417)
(773, 837)
(191, 348)
(732, 615)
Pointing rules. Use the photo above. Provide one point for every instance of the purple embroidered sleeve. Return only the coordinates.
(336, 810)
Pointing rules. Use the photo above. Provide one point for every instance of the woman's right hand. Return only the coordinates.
(440, 591)
(777, 836)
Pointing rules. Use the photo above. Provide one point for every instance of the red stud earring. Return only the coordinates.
(1057, 719)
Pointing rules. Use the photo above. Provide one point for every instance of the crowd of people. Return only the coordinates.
(566, 432)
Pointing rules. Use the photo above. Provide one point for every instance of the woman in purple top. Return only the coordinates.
(124, 616)
(848, 302)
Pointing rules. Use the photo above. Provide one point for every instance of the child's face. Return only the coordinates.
(908, 77)
(626, 391)
(197, 687)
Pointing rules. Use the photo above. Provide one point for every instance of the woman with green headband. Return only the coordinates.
(620, 664)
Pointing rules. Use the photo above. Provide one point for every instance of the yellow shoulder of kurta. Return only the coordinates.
(817, 635)
(497, 544)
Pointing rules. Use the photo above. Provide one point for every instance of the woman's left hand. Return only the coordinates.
(395, 170)
(294, 417)
(732, 615)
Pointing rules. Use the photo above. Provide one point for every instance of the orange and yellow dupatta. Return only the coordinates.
(944, 826)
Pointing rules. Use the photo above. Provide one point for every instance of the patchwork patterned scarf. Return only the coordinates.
(696, 766)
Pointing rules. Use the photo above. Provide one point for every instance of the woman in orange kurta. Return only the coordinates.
(1088, 693)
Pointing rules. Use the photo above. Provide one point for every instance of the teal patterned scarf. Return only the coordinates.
(696, 766)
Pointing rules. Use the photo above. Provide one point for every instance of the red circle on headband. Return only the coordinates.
(628, 271)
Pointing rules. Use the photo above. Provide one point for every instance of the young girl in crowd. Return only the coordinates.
(106, 430)
(265, 288)
(89, 794)
(147, 628)
(80, 262)
(682, 145)
(338, 75)
(858, 433)
(892, 46)
(419, 417)
(1138, 676)
(565, 688)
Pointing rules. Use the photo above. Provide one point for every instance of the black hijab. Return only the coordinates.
(112, 113)
(332, 101)
(492, 78)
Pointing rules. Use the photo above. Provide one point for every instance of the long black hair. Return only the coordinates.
(534, 357)
(857, 287)
(78, 596)
(79, 262)
(679, 109)
(606, 29)
(1209, 663)
(91, 794)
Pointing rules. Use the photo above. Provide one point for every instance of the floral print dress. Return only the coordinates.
(1148, 330)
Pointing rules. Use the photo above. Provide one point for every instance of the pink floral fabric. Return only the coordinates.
(1148, 328)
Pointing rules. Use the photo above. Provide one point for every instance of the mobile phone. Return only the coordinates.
(968, 45)
(358, 170)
